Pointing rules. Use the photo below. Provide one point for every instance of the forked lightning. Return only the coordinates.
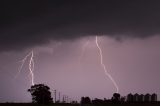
(30, 65)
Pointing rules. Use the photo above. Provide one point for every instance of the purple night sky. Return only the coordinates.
(62, 35)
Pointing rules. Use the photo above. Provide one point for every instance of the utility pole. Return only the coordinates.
(66, 99)
(59, 97)
(55, 96)
(70, 100)
(63, 99)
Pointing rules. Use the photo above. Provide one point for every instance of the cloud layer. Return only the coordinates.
(30, 23)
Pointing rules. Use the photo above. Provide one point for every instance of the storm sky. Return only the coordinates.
(62, 35)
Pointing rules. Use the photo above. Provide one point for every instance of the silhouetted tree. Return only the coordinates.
(40, 94)
(85, 100)
(97, 101)
(116, 97)
(82, 100)
(122, 99)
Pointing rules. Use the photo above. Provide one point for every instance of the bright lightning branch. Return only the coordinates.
(104, 67)
(30, 65)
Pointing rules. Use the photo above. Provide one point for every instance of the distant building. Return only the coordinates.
(135, 97)
(130, 98)
(141, 98)
(147, 98)
(154, 97)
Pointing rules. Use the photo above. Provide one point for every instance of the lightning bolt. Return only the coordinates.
(104, 67)
(30, 65)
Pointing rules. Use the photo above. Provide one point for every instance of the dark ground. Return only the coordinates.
(125, 104)
(31, 104)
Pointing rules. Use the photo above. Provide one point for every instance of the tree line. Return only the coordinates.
(41, 94)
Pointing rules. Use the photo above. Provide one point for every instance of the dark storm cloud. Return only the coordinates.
(30, 23)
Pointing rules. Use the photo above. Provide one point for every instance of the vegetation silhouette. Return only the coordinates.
(40, 94)
(116, 98)
(85, 100)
